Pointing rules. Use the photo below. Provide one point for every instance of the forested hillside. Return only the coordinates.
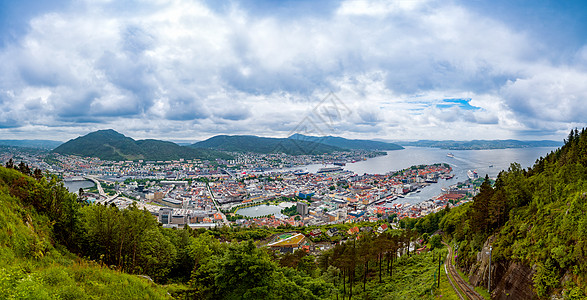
(111, 145)
(38, 220)
(536, 222)
(256, 144)
(347, 143)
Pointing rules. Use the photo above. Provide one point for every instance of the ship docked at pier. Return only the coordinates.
(472, 174)
(329, 169)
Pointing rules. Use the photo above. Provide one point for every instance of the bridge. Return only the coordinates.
(98, 185)
(101, 191)
(228, 172)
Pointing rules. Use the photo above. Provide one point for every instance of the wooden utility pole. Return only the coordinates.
(439, 263)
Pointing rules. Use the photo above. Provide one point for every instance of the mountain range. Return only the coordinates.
(347, 143)
(41, 144)
(111, 145)
(251, 143)
(482, 144)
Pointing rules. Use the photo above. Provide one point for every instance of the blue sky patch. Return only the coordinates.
(460, 103)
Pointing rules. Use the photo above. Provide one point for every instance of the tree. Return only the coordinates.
(480, 209)
(10, 164)
(156, 254)
(435, 242)
(244, 271)
(38, 174)
(24, 168)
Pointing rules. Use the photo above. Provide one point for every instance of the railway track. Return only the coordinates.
(464, 290)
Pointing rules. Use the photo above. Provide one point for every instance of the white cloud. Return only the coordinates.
(378, 7)
(185, 69)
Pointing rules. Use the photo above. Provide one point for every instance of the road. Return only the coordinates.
(464, 290)
(224, 220)
(98, 185)
(101, 191)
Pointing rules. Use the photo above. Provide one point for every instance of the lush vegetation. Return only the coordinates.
(536, 216)
(249, 143)
(346, 143)
(290, 211)
(366, 267)
(38, 220)
(482, 144)
(111, 145)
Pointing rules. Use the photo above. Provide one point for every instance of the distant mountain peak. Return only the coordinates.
(109, 144)
(265, 145)
(347, 143)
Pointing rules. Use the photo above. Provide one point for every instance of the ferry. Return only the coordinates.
(472, 174)
(300, 172)
(450, 155)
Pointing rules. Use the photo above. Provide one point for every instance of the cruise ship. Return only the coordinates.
(330, 169)
(472, 174)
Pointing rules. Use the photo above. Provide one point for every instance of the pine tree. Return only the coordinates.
(10, 164)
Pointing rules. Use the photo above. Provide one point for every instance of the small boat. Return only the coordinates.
(300, 172)
(491, 166)
(450, 155)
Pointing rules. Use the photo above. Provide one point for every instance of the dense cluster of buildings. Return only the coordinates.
(203, 194)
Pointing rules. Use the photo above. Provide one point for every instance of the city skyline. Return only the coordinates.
(189, 70)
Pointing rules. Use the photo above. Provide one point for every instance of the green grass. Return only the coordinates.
(413, 278)
(33, 267)
(483, 292)
(78, 281)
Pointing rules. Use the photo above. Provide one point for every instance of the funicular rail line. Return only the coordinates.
(469, 292)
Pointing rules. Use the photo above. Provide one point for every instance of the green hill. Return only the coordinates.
(35, 223)
(536, 221)
(249, 143)
(347, 143)
(111, 145)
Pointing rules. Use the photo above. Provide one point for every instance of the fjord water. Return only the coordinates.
(74, 186)
(489, 162)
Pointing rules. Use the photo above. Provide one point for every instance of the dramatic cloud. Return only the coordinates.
(188, 70)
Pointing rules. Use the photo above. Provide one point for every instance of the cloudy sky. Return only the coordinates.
(397, 70)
